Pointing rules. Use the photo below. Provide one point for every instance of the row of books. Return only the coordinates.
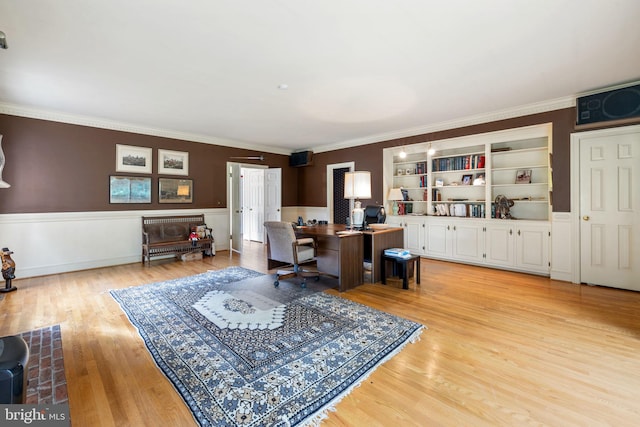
(475, 210)
(475, 161)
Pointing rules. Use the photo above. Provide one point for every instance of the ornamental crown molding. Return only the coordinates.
(509, 113)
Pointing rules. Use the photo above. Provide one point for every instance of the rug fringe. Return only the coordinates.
(323, 413)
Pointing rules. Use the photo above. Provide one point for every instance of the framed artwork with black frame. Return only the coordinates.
(172, 190)
(129, 189)
(466, 179)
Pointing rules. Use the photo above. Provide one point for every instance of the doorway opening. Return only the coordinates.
(339, 208)
(254, 196)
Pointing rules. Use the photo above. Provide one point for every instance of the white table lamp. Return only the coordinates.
(395, 194)
(357, 185)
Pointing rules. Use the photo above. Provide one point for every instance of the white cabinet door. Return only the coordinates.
(414, 231)
(394, 221)
(499, 243)
(468, 242)
(438, 240)
(532, 248)
(414, 235)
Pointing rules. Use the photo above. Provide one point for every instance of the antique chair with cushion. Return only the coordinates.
(285, 249)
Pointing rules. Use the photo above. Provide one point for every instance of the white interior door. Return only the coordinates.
(273, 194)
(253, 206)
(235, 204)
(610, 208)
(272, 197)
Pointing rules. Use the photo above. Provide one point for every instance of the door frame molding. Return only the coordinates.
(230, 195)
(576, 138)
(330, 168)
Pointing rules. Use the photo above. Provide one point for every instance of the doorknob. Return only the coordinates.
(586, 217)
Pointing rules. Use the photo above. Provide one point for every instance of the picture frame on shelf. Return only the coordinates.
(479, 179)
(129, 189)
(439, 182)
(173, 162)
(466, 179)
(130, 158)
(523, 176)
(173, 190)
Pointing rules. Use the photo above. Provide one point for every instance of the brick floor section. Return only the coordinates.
(47, 382)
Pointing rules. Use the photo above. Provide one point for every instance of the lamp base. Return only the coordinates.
(357, 214)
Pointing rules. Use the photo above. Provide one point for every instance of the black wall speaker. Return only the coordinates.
(302, 158)
(615, 104)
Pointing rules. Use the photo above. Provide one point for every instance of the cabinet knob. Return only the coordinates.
(586, 217)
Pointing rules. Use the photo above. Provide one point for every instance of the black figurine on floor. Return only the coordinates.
(8, 270)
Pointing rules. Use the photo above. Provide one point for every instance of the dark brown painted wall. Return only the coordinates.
(313, 179)
(57, 167)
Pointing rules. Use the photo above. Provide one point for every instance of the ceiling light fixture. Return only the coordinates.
(3, 41)
(431, 151)
(283, 86)
(403, 154)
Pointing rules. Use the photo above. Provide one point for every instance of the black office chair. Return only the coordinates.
(374, 215)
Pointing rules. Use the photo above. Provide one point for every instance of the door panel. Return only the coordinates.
(236, 208)
(499, 245)
(610, 210)
(468, 242)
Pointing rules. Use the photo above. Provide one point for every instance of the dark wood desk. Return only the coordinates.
(375, 242)
(343, 255)
(338, 255)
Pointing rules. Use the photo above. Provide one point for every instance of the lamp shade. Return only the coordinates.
(395, 194)
(357, 185)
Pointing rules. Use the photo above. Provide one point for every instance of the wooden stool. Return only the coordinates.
(404, 270)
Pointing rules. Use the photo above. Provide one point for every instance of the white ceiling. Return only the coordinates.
(357, 71)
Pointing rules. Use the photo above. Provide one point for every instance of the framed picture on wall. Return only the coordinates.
(133, 159)
(129, 189)
(173, 190)
(173, 162)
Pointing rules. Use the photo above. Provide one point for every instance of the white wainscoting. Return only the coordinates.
(50, 243)
(561, 246)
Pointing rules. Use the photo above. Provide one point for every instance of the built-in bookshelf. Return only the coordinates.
(520, 171)
(458, 182)
(465, 175)
(410, 174)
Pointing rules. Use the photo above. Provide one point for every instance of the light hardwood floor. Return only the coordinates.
(502, 348)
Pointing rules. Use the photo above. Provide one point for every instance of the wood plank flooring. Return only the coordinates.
(502, 349)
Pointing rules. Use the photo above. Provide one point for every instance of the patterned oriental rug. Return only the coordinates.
(244, 353)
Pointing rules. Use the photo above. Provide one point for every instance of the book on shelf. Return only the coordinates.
(397, 252)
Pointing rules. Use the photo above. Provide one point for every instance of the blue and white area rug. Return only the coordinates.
(244, 353)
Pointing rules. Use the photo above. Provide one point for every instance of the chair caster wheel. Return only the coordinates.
(317, 278)
(276, 283)
(303, 285)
